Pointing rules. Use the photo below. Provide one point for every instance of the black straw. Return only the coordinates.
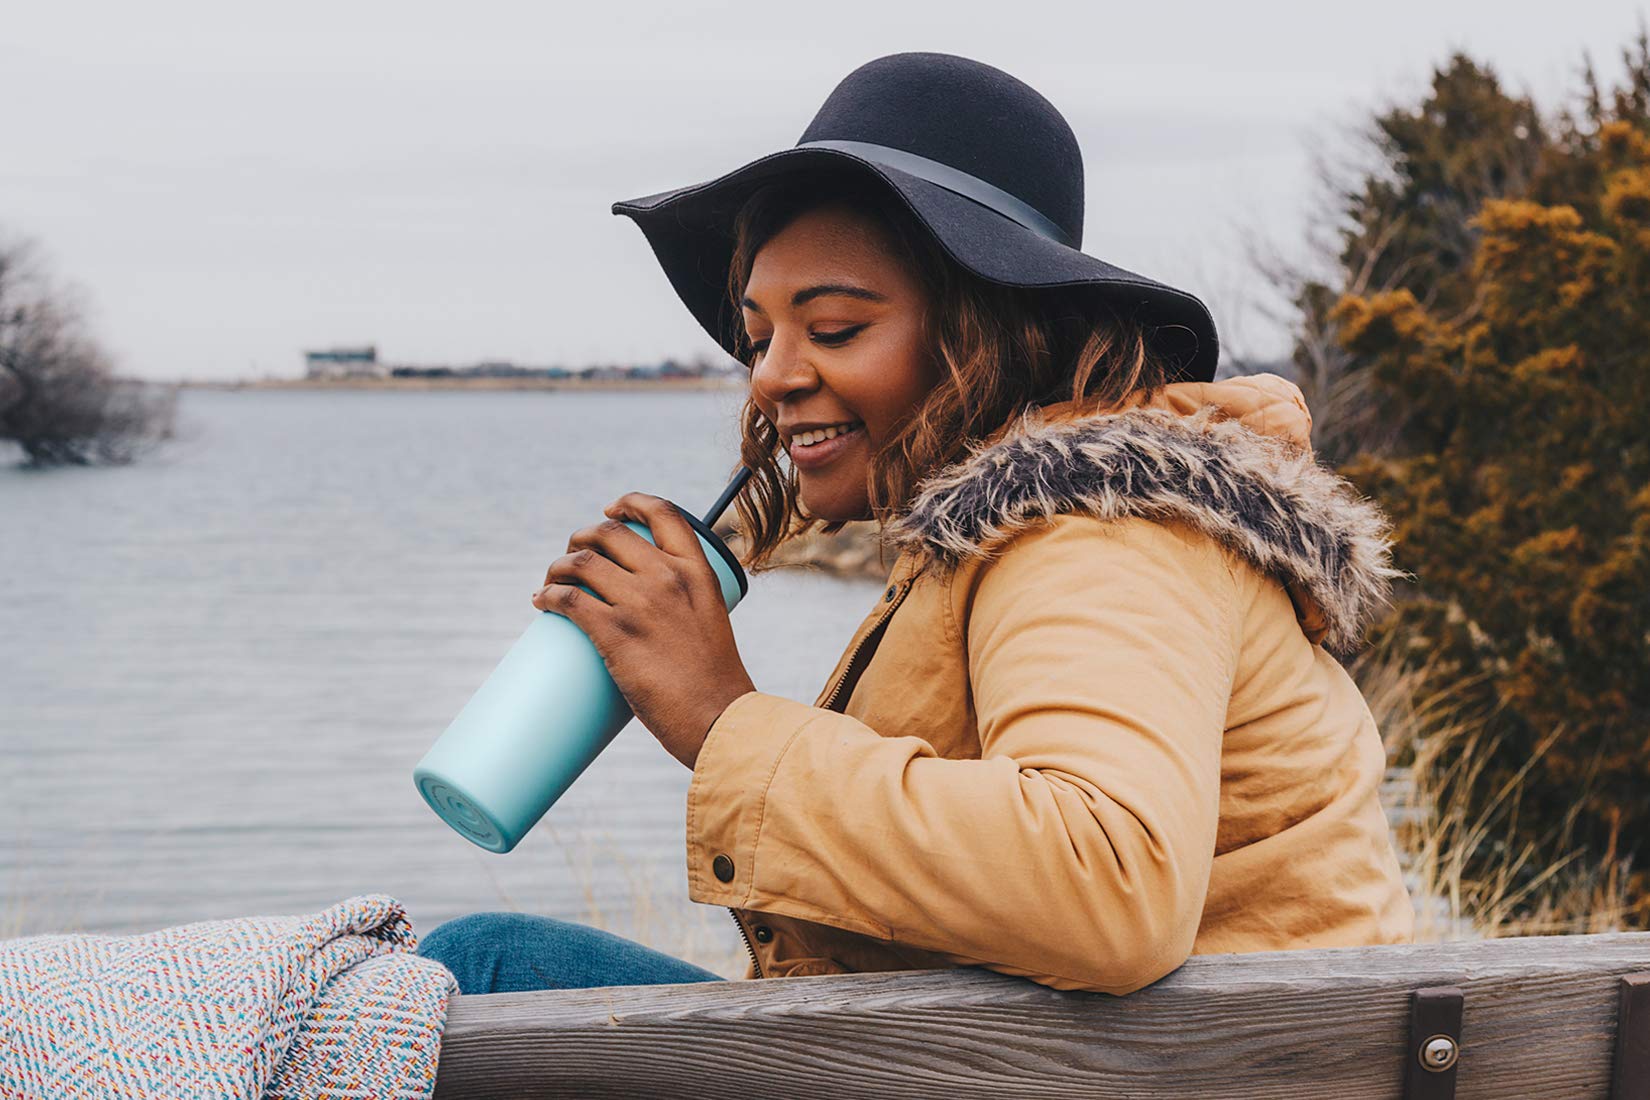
(727, 496)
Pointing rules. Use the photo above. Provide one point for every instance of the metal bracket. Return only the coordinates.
(1632, 1076)
(1434, 1050)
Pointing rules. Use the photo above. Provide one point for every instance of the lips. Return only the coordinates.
(819, 454)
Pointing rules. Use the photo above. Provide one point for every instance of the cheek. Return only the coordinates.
(909, 371)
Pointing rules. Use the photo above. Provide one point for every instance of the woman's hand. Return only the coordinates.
(660, 625)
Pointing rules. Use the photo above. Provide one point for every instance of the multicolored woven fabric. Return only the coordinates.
(334, 1004)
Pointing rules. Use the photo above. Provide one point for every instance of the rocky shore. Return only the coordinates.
(855, 551)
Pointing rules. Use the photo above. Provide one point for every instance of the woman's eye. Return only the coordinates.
(831, 339)
(840, 336)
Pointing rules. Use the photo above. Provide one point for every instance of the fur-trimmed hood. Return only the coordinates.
(1232, 458)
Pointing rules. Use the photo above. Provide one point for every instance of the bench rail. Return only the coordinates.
(1540, 1019)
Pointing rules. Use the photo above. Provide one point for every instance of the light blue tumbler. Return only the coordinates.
(546, 712)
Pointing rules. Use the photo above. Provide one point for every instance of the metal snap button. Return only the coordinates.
(763, 933)
(722, 866)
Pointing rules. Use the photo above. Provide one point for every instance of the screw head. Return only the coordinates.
(1439, 1053)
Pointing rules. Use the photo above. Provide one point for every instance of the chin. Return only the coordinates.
(836, 509)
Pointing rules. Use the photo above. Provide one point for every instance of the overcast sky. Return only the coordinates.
(231, 184)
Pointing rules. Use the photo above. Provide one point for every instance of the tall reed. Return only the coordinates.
(1470, 877)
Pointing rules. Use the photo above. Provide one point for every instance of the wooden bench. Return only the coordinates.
(1545, 1017)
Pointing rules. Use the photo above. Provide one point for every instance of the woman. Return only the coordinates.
(1093, 724)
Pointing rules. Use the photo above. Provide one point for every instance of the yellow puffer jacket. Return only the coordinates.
(1094, 724)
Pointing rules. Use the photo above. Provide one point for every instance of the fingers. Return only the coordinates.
(629, 572)
(586, 612)
(673, 534)
(688, 569)
(587, 567)
(616, 542)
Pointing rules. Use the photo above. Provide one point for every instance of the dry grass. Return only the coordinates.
(1470, 876)
(707, 938)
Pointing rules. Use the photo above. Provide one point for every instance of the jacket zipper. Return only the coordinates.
(739, 924)
(850, 676)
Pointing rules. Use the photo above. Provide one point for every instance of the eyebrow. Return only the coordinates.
(808, 294)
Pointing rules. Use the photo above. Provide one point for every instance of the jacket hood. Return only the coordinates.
(1232, 458)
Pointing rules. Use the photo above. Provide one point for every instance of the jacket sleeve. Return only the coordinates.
(1076, 852)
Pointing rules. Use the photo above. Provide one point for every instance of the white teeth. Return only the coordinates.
(808, 439)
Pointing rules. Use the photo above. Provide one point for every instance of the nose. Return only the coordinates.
(782, 370)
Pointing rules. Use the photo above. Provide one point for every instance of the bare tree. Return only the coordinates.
(59, 397)
(1305, 283)
(1395, 201)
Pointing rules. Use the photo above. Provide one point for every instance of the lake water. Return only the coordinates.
(218, 666)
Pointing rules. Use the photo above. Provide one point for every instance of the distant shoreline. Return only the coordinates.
(660, 385)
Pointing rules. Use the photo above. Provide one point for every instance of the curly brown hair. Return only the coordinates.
(1003, 349)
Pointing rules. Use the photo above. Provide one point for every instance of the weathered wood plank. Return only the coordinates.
(1540, 1020)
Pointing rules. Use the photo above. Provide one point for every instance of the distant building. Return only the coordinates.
(344, 363)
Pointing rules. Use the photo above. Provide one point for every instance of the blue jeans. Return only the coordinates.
(514, 952)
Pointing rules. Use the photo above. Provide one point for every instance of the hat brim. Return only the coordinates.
(690, 231)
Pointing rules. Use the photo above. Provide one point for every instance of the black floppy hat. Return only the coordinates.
(980, 158)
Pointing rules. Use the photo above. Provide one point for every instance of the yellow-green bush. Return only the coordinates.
(1514, 379)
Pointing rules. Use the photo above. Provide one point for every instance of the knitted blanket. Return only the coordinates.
(333, 1004)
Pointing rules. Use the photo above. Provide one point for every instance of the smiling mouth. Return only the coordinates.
(855, 426)
(806, 455)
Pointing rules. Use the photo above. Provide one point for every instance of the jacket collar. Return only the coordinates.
(1231, 458)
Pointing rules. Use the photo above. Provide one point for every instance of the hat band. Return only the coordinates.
(954, 180)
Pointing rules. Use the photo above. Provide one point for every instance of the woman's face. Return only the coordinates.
(836, 321)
